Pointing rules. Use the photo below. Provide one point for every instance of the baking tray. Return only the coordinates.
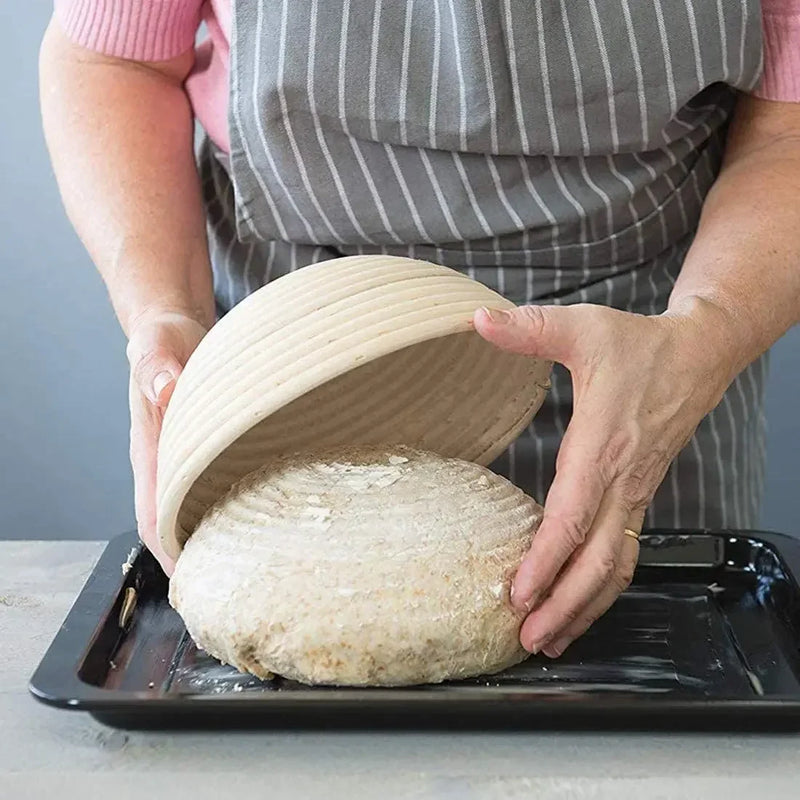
(707, 636)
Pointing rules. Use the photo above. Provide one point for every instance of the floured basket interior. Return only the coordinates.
(359, 567)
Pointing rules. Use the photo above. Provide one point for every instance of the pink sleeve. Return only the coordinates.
(144, 30)
(781, 78)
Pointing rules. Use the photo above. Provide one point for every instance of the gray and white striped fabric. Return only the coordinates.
(557, 151)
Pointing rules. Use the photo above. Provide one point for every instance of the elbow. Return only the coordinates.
(58, 51)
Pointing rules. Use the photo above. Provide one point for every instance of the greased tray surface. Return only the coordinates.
(707, 636)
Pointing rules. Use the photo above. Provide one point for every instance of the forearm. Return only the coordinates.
(120, 138)
(742, 273)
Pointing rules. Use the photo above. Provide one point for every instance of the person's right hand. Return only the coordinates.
(159, 344)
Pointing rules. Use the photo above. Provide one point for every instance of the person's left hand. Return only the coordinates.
(641, 386)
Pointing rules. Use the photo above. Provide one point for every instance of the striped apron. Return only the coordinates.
(558, 151)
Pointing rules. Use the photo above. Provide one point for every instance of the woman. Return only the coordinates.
(577, 157)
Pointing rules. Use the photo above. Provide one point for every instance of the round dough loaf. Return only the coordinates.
(360, 567)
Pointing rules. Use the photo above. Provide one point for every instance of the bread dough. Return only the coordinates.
(359, 567)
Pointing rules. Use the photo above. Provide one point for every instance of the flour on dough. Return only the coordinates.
(359, 567)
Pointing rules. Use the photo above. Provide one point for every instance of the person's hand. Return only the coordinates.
(159, 345)
(641, 386)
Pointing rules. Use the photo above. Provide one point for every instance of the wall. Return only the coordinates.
(63, 418)
(63, 391)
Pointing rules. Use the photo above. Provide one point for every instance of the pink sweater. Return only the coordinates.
(155, 30)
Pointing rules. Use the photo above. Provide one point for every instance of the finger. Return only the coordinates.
(145, 428)
(548, 332)
(154, 370)
(570, 509)
(628, 557)
(593, 567)
(636, 521)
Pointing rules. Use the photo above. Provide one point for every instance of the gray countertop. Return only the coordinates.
(46, 752)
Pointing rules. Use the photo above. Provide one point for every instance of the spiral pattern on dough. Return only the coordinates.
(359, 566)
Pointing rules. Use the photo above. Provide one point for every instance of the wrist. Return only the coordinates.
(144, 284)
(164, 311)
(716, 340)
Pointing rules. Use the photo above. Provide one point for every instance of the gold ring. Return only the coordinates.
(633, 534)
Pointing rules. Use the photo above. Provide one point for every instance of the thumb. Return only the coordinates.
(154, 371)
(547, 332)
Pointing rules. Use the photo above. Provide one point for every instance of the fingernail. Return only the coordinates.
(535, 647)
(558, 647)
(537, 642)
(497, 316)
(532, 602)
(160, 382)
(518, 600)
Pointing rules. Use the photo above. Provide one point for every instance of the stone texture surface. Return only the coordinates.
(46, 752)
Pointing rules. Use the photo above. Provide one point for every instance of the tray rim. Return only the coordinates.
(56, 686)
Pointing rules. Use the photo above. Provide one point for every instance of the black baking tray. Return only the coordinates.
(707, 636)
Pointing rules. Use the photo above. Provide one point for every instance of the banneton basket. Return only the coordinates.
(353, 351)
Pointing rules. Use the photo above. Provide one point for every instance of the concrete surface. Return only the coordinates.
(46, 753)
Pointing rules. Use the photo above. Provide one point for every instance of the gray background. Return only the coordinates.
(63, 419)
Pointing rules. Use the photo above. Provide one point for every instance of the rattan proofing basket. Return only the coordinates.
(358, 350)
